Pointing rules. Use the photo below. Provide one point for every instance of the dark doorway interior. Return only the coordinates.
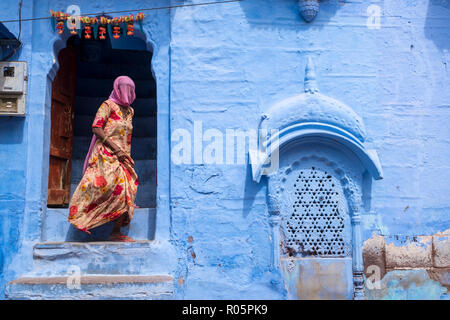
(98, 64)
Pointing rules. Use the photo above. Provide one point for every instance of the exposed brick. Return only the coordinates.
(374, 254)
(441, 246)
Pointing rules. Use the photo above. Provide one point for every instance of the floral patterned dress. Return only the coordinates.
(108, 187)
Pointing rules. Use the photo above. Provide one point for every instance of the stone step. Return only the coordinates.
(52, 259)
(57, 228)
(76, 173)
(146, 196)
(146, 171)
(130, 57)
(142, 126)
(91, 287)
(89, 105)
(91, 87)
(127, 44)
(141, 148)
(80, 147)
(113, 70)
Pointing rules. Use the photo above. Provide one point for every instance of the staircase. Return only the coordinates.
(105, 270)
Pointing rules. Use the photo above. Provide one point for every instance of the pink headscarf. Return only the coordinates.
(123, 94)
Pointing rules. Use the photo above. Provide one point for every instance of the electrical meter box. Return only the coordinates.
(13, 88)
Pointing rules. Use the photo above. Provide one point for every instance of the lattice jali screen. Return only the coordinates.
(315, 226)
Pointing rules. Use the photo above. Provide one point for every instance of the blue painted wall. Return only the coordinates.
(224, 65)
(13, 154)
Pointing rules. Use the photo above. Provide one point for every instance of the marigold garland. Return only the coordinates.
(88, 25)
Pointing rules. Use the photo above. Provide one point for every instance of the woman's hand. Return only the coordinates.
(121, 156)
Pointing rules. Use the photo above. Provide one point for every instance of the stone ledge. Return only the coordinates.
(143, 257)
(407, 252)
(94, 279)
(73, 244)
(54, 250)
(91, 287)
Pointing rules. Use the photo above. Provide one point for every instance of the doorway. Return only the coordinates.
(87, 69)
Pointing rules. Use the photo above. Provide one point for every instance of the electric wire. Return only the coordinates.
(132, 10)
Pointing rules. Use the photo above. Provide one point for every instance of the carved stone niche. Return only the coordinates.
(312, 151)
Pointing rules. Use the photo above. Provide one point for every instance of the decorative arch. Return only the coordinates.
(155, 44)
(311, 115)
(314, 119)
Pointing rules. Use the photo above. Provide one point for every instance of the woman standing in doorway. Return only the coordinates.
(109, 184)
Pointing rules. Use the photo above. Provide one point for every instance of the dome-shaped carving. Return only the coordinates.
(315, 117)
(312, 106)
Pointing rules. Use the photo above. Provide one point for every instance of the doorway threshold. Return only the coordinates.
(58, 229)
